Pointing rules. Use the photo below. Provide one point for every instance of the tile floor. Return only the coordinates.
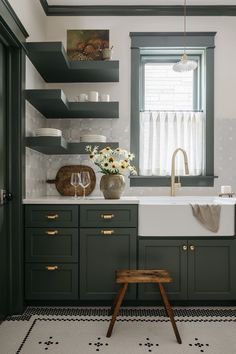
(137, 331)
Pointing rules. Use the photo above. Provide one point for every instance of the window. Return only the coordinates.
(170, 109)
(165, 89)
(170, 117)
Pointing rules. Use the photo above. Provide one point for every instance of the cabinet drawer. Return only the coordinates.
(51, 216)
(51, 281)
(108, 215)
(51, 245)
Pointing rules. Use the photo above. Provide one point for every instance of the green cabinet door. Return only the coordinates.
(212, 269)
(108, 215)
(101, 254)
(51, 245)
(164, 254)
(45, 281)
(51, 216)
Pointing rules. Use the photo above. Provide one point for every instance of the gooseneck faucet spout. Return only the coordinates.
(173, 184)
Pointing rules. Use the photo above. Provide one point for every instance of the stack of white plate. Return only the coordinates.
(90, 138)
(47, 132)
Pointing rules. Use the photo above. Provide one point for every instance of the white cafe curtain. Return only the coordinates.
(163, 132)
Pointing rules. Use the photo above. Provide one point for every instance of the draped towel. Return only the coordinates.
(207, 215)
(163, 132)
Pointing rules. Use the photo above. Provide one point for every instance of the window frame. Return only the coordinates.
(141, 41)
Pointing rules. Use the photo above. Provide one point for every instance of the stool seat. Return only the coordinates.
(143, 276)
(125, 277)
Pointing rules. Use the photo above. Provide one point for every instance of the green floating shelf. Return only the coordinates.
(50, 59)
(47, 145)
(54, 104)
(59, 146)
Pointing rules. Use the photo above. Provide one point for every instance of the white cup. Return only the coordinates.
(107, 54)
(93, 96)
(104, 97)
(83, 97)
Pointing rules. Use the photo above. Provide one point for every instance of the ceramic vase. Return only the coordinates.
(112, 186)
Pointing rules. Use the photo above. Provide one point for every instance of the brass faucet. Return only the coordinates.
(173, 184)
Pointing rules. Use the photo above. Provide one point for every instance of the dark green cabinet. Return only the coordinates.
(51, 252)
(201, 269)
(51, 245)
(212, 270)
(72, 253)
(51, 216)
(102, 252)
(44, 281)
(68, 245)
(164, 254)
(106, 215)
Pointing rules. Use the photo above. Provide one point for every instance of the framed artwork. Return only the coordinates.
(86, 44)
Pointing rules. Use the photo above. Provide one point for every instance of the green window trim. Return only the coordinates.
(141, 41)
(162, 181)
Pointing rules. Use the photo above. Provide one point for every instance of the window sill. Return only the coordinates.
(186, 181)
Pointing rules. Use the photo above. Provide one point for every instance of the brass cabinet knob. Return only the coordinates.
(52, 268)
(185, 248)
(107, 216)
(107, 232)
(52, 232)
(192, 248)
(52, 216)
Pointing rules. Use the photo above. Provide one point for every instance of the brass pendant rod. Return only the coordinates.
(185, 26)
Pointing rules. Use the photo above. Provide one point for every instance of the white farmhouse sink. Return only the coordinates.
(172, 216)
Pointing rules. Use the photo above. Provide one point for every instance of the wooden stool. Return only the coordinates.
(126, 277)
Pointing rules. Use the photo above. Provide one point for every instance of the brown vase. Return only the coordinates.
(112, 186)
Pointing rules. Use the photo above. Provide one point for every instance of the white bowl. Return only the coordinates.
(48, 132)
(93, 138)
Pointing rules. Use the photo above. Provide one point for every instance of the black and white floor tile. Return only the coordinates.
(137, 331)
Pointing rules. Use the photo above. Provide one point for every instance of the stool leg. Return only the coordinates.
(170, 312)
(117, 304)
(115, 301)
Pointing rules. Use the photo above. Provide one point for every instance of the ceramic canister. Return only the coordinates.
(93, 96)
(82, 97)
(104, 97)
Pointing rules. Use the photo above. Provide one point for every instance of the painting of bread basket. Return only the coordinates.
(86, 44)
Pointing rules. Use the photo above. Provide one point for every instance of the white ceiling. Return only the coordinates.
(141, 2)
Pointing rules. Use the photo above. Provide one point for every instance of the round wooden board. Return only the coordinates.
(62, 180)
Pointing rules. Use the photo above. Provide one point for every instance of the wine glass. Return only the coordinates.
(75, 181)
(84, 181)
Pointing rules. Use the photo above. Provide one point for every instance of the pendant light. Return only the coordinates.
(185, 64)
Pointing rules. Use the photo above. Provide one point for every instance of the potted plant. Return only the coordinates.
(113, 164)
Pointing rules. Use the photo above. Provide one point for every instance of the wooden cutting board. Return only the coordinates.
(62, 180)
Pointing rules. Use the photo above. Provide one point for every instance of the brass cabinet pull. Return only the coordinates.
(107, 216)
(52, 232)
(107, 232)
(185, 248)
(192, 248)
(51, 268)
(52, 216)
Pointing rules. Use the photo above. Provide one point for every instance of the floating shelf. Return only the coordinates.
(47, 145)
(54, 104)
(59, 146)
(79, 148)
(50, 59)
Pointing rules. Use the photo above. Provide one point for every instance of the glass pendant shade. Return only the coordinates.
(184, 65)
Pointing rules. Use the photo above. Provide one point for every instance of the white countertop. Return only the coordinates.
(142, 200)
(87, 200)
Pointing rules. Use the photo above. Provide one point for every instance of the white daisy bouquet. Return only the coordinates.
(112, 162)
